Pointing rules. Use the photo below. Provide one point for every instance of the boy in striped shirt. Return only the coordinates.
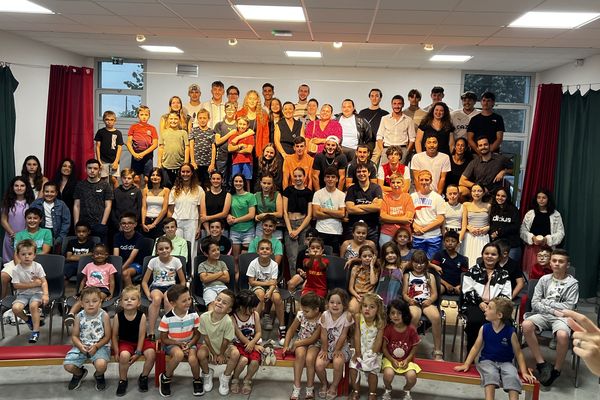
(179, 334)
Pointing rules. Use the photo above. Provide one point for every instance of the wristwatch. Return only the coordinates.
(137, 353)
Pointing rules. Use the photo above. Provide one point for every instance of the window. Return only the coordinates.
(120, 88)
(507, 88)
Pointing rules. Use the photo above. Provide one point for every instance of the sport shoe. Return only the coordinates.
(164, 385)
(143, 383)
(295, 393)
(122, 388)
(387, 395)
(224, 384)
(208, 380)
(76, 379)
(553, 375)
(268, 322)
(69, 320)
(198, 387)
(29, 323)
(282, 332)
(100, 382)
(35, 335)
(544, 372)
(407, 396)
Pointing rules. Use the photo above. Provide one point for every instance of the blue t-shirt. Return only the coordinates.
(497, 346)
(452, 267)
(126, 246)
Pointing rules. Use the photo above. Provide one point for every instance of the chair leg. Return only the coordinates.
(2, 322)
(50, 314)
(462, 340)
(577, 360)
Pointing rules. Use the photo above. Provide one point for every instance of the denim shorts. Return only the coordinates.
(27, 299)
(241, 237)
(78, 358)
(243, 168)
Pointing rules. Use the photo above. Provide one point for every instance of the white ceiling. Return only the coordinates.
(376, 33)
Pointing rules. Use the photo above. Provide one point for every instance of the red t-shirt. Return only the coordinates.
(142, 136)
(241, 158)
(316, 277)
(538, 271)
(400, 344)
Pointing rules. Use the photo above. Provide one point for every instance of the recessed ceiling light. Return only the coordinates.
(23, 6)
(338, 45)
(553, 20)
(450, 58)
(428, 47)
(281, 33)
(140, 38)
(271, 13)
(162, 49)
(232, 41)
(303, 54)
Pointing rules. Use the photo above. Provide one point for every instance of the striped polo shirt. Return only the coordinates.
(179, 328)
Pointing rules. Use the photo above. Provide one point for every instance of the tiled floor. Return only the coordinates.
(270, 383)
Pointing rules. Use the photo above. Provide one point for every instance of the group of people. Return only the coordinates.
(414, 201)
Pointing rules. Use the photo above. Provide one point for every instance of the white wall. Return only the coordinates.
(30, 65)
(572, 75)
(328, 84)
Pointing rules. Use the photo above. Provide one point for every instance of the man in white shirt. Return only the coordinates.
(395, 129)
(215, 105)
(329, 209)
(438, 164)
(461, 118)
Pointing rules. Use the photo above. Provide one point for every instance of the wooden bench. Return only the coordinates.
(444, 371)
(26, 356)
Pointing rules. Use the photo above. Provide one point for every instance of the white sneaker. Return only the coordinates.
(224, 384)
(208, 380)
(387, 395)
(268, 322)
(407, 396)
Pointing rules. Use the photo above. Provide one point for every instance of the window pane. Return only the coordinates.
(512, 147)
(514, 119)
(125, 76)
(125, 106)
(507, 88)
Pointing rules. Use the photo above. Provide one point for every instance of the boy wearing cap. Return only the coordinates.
(461, 118)
(330, 157)
(191, 109)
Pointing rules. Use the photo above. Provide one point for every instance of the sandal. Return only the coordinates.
(438, 355)
(323, 391)
(331, 396)
(354, 395)
(310, 393)
(247, 387)
(372, 396)
(234, 386)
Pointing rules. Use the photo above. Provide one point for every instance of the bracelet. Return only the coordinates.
(138, 353)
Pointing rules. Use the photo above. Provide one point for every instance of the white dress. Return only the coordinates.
(472, 245)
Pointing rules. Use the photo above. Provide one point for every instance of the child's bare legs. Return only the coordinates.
(372, 380)
(299, 362)
(100, 365)
(532, 342)
(415, 312)
(252, 368)
(156, 296)
(490, 392)
(149, 358)
(177, 356)
(5, 282)
(320, 366)
(311, 357)
(294, 282)
(433, 315)
(512, 395)
(338, 371)
(18, 310)
(124, 357)
(411, 380)
(354, 306)
(236, 249)
(261, 297)
(73, 369)
(203, 355)
(279, 310)
(354, 381)
(562, 347)
(194, 363)
(232, 360)
(128, 275)
(388, 377)
(239, 368)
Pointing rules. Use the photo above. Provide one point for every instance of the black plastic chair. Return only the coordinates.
(95, 240)
(197, 287)
(54, 266)
(145, 301)
(337, 275)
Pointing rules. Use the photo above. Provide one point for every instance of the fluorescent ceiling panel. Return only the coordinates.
(162, 49)
(450, 58)
(554, 20)
(23, 6)
(271, 13)
(303, 54)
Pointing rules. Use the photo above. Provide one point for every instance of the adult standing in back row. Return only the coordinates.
(355, 130)
(396, 129)
(374, 113)
(486, 124)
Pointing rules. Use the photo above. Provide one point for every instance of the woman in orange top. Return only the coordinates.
(258, 120)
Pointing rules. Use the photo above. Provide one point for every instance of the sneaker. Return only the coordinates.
(198, 387)
(387, 395)
(553, 375)
(143, 383)
(76, 379)
(295, 393)
(164, 385)
(224, 384)
(544, 372)
(69, 320)
(208, 380)
(35, 335)
(122, 388)
(282, 332)
(406, 396)
(268, 322)
(29, 323)
(100, 382)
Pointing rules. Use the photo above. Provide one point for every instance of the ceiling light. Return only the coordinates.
(428, 47)
(303, 54)
(140, 38)
(23, 6)
(162, 49)
(338, 45)
(232, 42)
(450, 58)
(554, 20)
(271, 13)
(281, 33)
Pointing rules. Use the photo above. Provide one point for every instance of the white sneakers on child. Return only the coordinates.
(224, 384)
(208, 380)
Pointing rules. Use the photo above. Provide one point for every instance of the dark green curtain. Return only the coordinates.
(8, 85)
(578, 184)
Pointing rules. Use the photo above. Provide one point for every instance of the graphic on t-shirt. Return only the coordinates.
(99, 276)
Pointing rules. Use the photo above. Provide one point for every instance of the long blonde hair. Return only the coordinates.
(380, 319)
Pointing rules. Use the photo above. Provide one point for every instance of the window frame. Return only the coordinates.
(100, 91)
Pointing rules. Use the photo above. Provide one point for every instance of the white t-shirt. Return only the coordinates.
(331, 201)
(427, 208)
(186, 204)
(21, 274)
(164, 274)
(460, 120)
(349, 132)
(48, 207)
(436, 165)
(260, 273)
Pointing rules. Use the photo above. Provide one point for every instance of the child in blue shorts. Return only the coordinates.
(90, 335)
(241, 145)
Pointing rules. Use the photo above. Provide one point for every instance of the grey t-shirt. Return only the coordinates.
(209, 268)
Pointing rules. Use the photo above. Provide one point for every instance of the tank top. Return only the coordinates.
(418, 287)
(350, 252)
(154, 204)
(478, 219)
(247, 327)
(454, 216)
(214, 202)
(497, 346)
(287, 136)
(129, 330)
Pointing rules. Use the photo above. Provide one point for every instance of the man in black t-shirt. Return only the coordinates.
(363, 202)
(332, 156)
(486, 124)
(362, 155)
(373, 113)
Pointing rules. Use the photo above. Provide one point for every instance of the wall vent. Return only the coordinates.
(187, 70)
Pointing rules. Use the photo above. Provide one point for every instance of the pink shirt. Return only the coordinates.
(98, 275)
(313, 130)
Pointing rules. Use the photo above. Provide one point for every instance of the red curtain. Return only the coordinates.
(69, 118)
(543, 146)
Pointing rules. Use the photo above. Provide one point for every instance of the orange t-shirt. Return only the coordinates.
(291, 163)
(396, 208)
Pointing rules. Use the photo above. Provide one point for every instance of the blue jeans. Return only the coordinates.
(428, 245)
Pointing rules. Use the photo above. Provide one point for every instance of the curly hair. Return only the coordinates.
(194, 186)
(10, 197)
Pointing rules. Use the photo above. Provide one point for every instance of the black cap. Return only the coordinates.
(468, 95)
